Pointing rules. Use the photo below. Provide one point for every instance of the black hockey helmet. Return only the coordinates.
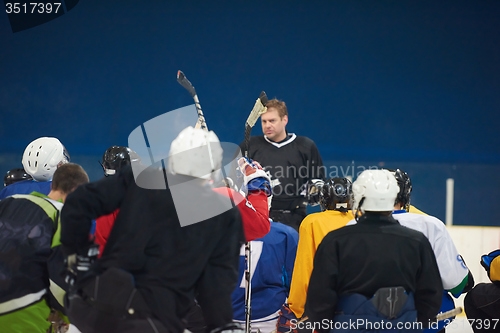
(115, 158)
(404, 184)
(15, 175)
(336, 194)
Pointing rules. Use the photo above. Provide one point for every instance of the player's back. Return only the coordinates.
(430, 226)
(272, 263)
(312, 231)
(317, 225)
(25, 187)
(170, 262)
(451, 267)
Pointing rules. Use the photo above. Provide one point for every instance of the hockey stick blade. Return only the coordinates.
(258, 109)
(448, 314)
(183, 81)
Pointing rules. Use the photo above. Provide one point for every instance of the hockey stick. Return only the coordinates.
(183, 81)
(248, 288)
(258, 109)
(448, 314)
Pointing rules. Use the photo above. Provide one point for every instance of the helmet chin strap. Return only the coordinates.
(342, 209)
(358, 209)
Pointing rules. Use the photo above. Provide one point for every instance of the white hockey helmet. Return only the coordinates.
(42, 157)
(195, 152)
(375, 191)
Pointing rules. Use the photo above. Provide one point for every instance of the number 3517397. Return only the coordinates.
(32, 7)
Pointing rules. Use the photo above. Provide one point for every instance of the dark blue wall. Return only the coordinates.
(413, 83)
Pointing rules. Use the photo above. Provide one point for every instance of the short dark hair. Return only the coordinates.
(280, 106)
(68, 177)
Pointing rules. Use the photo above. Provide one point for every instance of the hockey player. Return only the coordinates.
(375, 273)
(152, 268)
(404, 195)
(455, 275)
(482, 303)
(292, 161)
(29, 228)
(15, 175)
(113, 159)
(253, 208)
(41, 158)
(335, 198)
(273, 258)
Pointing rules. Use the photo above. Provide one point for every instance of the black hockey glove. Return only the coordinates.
(78, 265)
(311, 190)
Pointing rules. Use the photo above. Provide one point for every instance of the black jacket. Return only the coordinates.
(377, 252)
(292, 161)
(171, 264)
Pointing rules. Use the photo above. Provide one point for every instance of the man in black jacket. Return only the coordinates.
(154, 265)
(376, 274)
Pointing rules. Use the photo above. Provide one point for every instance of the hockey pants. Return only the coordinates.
(389, 310)
(110, 303)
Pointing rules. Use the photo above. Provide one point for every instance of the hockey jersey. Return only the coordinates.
(451, 266)
(103, 227)
(253, 209)
(29, 229)
(272, 261)
(312, 231)
(25, 187)
(452, 269)
(376, 252)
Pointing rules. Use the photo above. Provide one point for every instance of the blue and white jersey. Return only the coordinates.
(272, 260)
(452, 269)
(25, 187)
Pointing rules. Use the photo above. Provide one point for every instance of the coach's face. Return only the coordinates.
(273, 126)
